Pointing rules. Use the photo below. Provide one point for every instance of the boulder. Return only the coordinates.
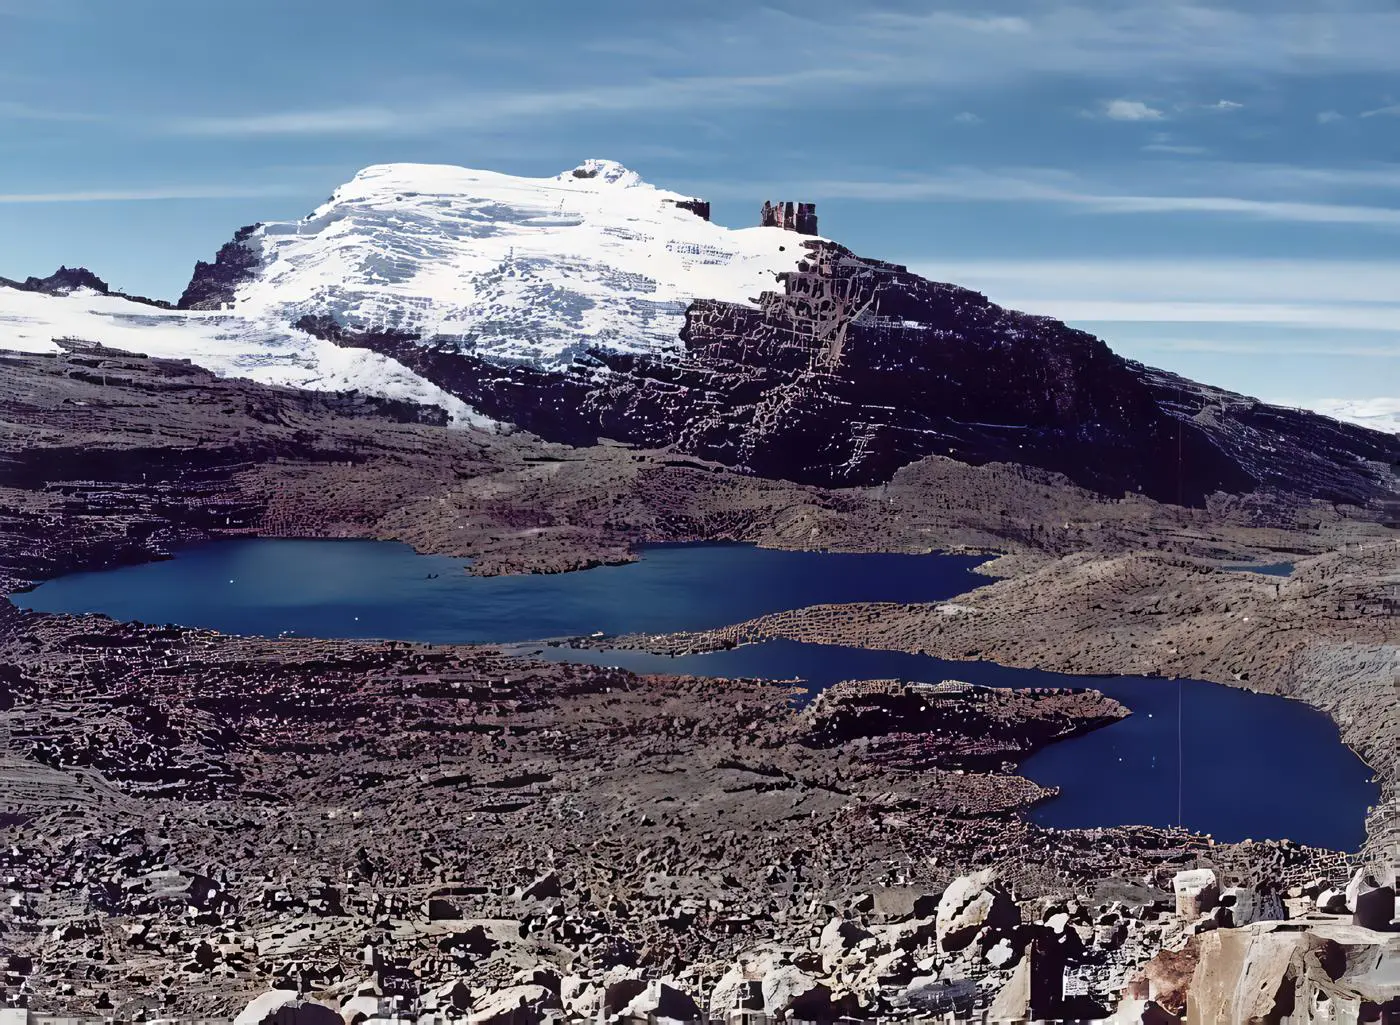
(663, 1003)
(1197, 891)
(1002, 954)
(1332, 901)
(910, 934)
(286, 1007)
(970, 904)
(839, 938)
(791, 992)
(545, 887)
(1371, 899)
(620, 992)
(514, 1005)
(736, 990)
(895, 968)
(579, 996)
(1244, 905)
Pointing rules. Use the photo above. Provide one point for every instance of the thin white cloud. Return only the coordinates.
(840, 50)
(1327, 117)
(1356, 296)
(1272, 350)
(1224, 105)
(487, 110)
(1131, 110)
(967, 117)
(1392, 110)
(1326, 317)
(11, 110)
(1176, 148)
(149, 195)
(1067, 190)
(1182, 279)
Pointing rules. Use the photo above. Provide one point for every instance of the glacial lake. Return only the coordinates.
(1249, 765)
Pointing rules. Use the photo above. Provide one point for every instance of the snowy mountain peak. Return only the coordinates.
(507, 268)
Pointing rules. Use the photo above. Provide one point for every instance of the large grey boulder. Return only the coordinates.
(839, 939)
(663, 1003)
(286, 1007)
(738, 989)
(514, 1005)
(791, 992)
(970, 904)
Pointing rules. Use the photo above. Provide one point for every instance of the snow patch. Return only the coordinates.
(226, 344)
(1379, 414)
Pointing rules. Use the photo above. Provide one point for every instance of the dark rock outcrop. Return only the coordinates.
(919, 725)
(798, 217)
(858, 368)
(66, 280)
(214, 284)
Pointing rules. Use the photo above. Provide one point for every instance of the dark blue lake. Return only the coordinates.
(382, 589)
(1270, 569)
(1250, 765)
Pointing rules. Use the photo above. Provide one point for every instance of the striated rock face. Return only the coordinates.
(214, 284)
(858, 368)
(1285, 449)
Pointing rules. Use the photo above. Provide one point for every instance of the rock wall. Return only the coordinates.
(856, 368)
(214, 284)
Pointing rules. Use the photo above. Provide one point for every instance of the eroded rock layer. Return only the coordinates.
(857, 368)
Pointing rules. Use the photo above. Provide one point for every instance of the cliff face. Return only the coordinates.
(214, 284)
(857, 368)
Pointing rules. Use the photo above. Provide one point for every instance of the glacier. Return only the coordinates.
(510, 269)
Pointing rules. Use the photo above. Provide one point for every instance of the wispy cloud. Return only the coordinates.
(487, 110)
(1327, 117)
(1231, 347)
(150, 195)
(1251, 280)
(840, 50)
(1060, 188)
(1392, 110)
(1325, 295)
(14, 111)
(967, 117)
(1131, 110)
(1384, 317)
(1225, 106)
(1175, 148)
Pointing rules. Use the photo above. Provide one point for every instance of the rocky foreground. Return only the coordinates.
(193, 823)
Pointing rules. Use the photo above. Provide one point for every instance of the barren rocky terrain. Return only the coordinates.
(189, 818)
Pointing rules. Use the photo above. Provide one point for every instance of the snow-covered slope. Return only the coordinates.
(510, 269)
(227, 344)
(1380, 414)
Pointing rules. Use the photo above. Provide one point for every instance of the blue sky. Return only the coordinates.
(1212, 187)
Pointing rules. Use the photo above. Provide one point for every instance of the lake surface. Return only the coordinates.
(1271, 569)
(1215, 759)
(357, 589)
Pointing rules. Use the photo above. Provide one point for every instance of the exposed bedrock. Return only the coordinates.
(858, 367)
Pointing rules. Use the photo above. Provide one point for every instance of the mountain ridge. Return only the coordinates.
(593, 305)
